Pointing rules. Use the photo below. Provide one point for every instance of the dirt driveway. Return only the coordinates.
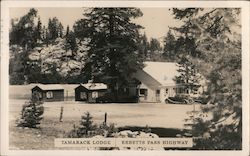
(132, 114)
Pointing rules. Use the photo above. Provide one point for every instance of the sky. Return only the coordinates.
(155, 21)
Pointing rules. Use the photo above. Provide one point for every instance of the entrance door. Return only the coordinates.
(157, 95)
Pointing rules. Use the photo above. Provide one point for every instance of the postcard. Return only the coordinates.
(125, 77)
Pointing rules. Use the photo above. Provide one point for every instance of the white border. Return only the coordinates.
(5, 5)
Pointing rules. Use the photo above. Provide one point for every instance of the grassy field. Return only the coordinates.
(166, 120)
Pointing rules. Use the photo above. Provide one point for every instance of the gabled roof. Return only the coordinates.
(50, 86)
(94, 86)
(158, 73)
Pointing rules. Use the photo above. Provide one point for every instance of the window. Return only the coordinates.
(40, 95)
(94, 95)
(158, 92)
(143, 92)
(49, 95)
(83, 95)
(166, 90)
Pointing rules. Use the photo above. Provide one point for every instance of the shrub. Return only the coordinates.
(85, 129)
(106, 130)
(31, 113)
(88, 129)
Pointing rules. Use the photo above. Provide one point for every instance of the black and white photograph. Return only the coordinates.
(82, 76)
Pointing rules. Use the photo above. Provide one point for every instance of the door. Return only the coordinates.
(157, 95)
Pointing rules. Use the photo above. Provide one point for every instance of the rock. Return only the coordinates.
(125, 133)
(26, 128)
(206, 135)
(178, 135)
(98, 136)
(188, 134)
(152, 135)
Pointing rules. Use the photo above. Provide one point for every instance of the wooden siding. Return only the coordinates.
(57, 95)
(89, 97)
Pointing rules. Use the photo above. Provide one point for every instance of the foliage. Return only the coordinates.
(143, 46)
(154, 50)
(106, 130)
(86, 125)
(113, 44)
(71, 42)
(31, 113)
(169, 48)
(88, 129)
(55, 29)
(213, 35)
(189, 77)
(22, 33)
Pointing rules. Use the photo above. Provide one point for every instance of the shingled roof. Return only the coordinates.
(95, 86)
(50, 86)
(158, 73)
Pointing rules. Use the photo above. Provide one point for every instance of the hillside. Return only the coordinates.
(54, 55)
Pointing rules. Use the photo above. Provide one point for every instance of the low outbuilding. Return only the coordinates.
(89, 92)
(49, 92)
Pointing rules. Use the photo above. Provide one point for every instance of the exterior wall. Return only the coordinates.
(150, 97)
(157, 96)
(167, 91)
(89, 94)
(78, 91)
(91, 97)
(57, 95)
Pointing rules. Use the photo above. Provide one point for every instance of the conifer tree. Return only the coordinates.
(86, 124)
(169, 50)
(38, 30)
(214, 35)
(113, 44)
(32, 111)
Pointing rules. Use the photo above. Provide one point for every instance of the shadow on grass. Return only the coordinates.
(161, 132)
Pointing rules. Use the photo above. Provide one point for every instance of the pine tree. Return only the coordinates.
(169, 50)
(22, 33)
(55, 28)
(38, 30)
(60, 30)
(67, 31)
(154, 50)
(143, 47)
(113, 44)
(31, 114)
(71, 43)
(215, 35)
(86, 124)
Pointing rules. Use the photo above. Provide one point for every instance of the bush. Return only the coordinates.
(87, 129)
(31, 113)
(106, 130)
(86, 124)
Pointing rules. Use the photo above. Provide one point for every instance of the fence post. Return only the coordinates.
(61, 115)
(105, 118)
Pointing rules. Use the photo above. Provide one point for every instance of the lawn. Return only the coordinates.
(166, 120)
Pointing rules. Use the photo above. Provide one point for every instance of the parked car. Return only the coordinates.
(186, 99)
(179, 99)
